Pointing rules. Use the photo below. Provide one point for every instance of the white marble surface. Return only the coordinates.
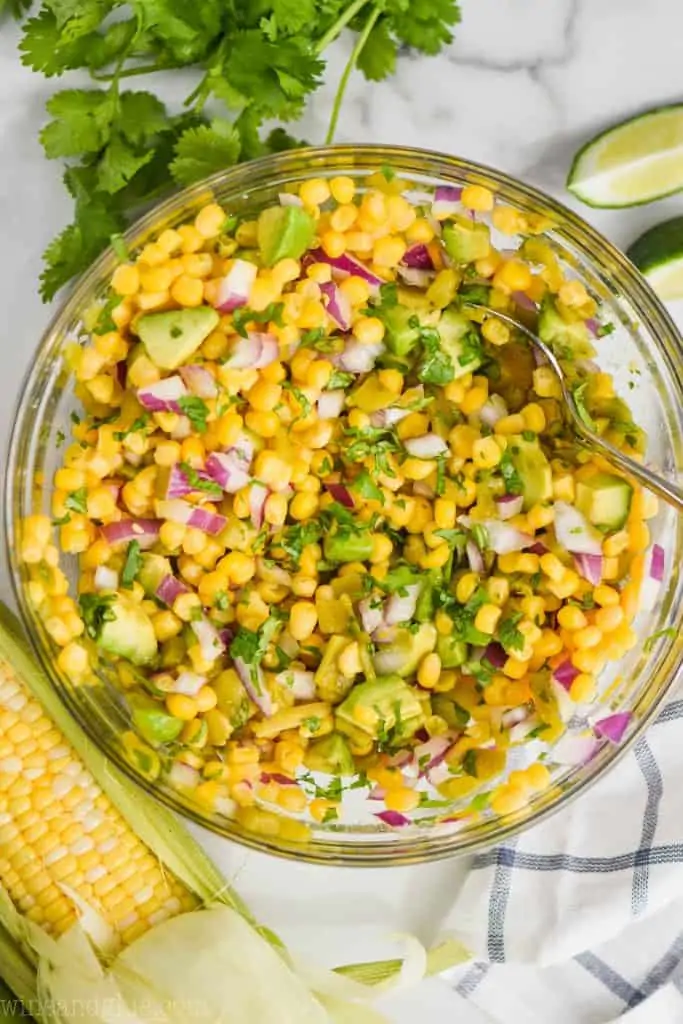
(525, 83)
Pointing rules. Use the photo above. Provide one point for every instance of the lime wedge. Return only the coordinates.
(634, 162)
(658, 254)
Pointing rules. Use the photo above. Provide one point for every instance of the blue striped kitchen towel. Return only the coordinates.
(580, 919)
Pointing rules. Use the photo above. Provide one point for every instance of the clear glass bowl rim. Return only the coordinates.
(325, 161)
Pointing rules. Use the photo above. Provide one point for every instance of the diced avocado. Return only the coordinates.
(459, 340)
(331, 755)
(153, 722)
(233, 700)
(153, 569)
(330, 684)
(402, 329)
(605, 500)
(121, 627)
(395, 706)
(466, 240)
(351, 585)
(171, 338)
(445, 707)
(348, 545)
(567, 340)
(452, 652)
(284, 232)
(424, 609)
(406, 651)
(173, 652)
(533, 470)
(371, 396)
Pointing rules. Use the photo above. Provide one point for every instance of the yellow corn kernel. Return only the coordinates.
(589, 661)
(382, 548)
(437, 557)
(303, 618)
(474, 399)
(402, 799)
(582, 689)
(608, 619)
(210, 220)
(572, 618)
(507, 800)
(388, 251)
(513, 276)
(534, 417)
(546, 384)
(573, 293)
(272, 470)
(486, 453)
(606, 597)
(610, 568)
(487, 618)
(552, 566)
(498, 590)
(495, 332)
(181, 706)
(369, 330)
(638, 537)
(477, 197)
(314, 192)
(567, 586)
(513, 424)
(507, 220)
(444, 513)
(589, 636)
(303, 505)
(617, 543)
(126, 280)
(238, 567)
(187, 291)
(466, 586)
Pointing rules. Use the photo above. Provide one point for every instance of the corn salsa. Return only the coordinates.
(333, 530)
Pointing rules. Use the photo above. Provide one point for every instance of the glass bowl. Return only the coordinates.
(645, 357)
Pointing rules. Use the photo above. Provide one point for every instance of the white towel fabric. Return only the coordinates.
(580, 920)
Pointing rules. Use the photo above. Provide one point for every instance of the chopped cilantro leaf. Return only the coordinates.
(96, 609)
(244, 315)
(132, 565)
(509, 636)
(511, 478)
(199, 483)
(339, 379)
(579, 396)
(654, 637)
(367, 488)
(196, 411)
(139, 424)
(77, 501)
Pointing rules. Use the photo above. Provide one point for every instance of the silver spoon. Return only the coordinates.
(652, 481)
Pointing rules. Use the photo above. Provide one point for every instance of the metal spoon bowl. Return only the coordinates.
(652, 481)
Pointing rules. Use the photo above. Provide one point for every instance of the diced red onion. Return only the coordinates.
(592, 325)
(347, 265)
(446, 200)
(415, 278)
(572, 750)
(341, 494)
(121, 370)
(144, 531)
(509, 505)
(522, 300)
(163, 396)
(228, 471)
(423, 488)
(614, 726)
(389, 417)
(502, 538)
(330, 404)
(656, 567)
(210, 643)
(235, 287)
(179, 511)
(590, 567)
(178, 485)
(257, 499)
(106, 578)
(256, 689)
(430, 754)
(418, 257)
(377, 793)
(538, 357)
(199, 381)
(392, 818)
(538, 548)
(281, 780)
(495, 655)
(565, 674)
(338, 306)
(565, 705)
(514, 716)
(429, 446)
(493, 410)
(519, 733)
(289, 199)
(371, 614)
(358, 358)
(169, 589)
(189, 683)
(474, 557)
(574, 532)
(300, 682)
(253, 352)
(183, 776)
(401, 607)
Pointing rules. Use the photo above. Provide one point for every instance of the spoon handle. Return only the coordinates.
(654, 482)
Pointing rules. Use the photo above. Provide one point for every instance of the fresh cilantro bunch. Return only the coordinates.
(259, 61)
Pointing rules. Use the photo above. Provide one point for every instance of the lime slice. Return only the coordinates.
(634, 162)
(658, 254)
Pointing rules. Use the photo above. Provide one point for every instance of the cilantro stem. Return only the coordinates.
(350, 65)
(146, 69)
(339, 25)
